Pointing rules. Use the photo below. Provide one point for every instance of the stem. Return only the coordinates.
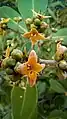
(48, 62)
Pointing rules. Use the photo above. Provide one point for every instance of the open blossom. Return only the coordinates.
(60, 48)
(31, 68)
(60, 51)
(34, 36)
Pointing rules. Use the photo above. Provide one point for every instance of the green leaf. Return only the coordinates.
(55, 114)
(8, 116)
(17, 97)
(29, 102)
(23, 102)
(8, 12)
(62, 33)
(56, 86)
(25, 8)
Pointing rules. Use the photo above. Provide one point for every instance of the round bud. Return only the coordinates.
(37, 22)
(28, 21)
(63, 65)
(17, 54)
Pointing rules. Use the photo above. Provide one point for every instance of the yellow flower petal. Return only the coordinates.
(32, 60)
(32, 78)
(7, 52)
(38, 67)
(27, 35)
(5, 20)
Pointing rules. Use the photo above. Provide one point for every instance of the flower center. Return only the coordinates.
(28, 67)
(33, 34)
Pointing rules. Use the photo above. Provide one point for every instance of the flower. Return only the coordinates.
(60, 51)
(34, 35)
(60, 48)
(31, 68)
(4, 20)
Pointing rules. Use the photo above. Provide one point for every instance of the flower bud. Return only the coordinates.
(63, 65)
(17, 54)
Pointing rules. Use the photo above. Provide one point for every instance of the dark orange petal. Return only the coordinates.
(38, 67)
(22, 69)
(34, 31)
(27, 35)
(32, 78)
(32, 60)
(40, 37)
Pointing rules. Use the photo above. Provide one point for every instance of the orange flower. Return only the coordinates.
(33, 35)
(31, 68)
(60, 51)
(60, 48)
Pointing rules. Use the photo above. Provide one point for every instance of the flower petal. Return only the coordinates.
(7, 52)
(32, 60)
(32, 78)
(22, 69)
(40, 36)
(27, 35)
(38, 67)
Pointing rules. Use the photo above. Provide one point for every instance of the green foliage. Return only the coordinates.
(33, 5)
(49, 100)
(23, 104)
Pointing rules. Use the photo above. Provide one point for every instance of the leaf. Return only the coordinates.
(17, 97)
(55, 114)
(62, 33)
(8, 116)
(25, 8)
(56, 86)
(29, 102)
(23, 102)
(8, 12)
(11, 13)
(52, 14)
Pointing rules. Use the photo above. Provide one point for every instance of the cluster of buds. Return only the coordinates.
(61, 57)
(17, 19)
(14, 65)
(3, 25)
(37, 22)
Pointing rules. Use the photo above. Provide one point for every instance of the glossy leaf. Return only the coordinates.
(11, 13)
(23, 102)
(56, 86)
(62, 33)
(25, 7)
(17, 97)
(8, 12)
(29, 102)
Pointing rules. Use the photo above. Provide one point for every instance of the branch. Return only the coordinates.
(48, 62)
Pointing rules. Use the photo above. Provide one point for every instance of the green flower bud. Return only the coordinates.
(63, 65)
(16, 67)
(17, 54)
(33, 26)
(28, 21)
(8, 62)
(9, 71)
(37, 22)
